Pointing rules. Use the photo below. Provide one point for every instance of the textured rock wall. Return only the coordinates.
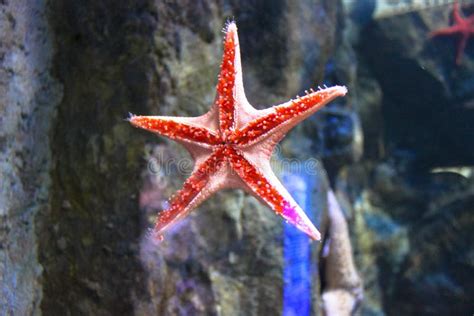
(82, 186)
(28, 98)
(106, 58)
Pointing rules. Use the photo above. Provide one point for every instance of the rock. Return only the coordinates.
(411, 185)
(29, 95)
(437, 275)
(342, 285)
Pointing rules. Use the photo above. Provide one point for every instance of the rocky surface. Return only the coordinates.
(29, 96)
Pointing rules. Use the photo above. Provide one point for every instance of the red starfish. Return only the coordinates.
(232, 143)
(462, 26)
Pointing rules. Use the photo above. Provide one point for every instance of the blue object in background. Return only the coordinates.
(297, 251)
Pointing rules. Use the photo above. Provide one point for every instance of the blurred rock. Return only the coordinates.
(342, 285)
(413, 181)
(423, 90)
(437, 276)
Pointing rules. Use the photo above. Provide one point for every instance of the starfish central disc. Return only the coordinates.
(233, 142)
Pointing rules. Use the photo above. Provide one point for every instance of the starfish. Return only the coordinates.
(462, 26)
(231, 145)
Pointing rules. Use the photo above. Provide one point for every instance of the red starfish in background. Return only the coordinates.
(233, 142)
(462, 26)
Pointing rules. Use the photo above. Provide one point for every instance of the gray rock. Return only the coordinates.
(29, 96)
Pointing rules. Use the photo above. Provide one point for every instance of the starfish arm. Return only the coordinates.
(225, 86)
(281, 118)
(195, 190)
(264, 185)
(461, 47)
(458, 19)
(181, 129)
(446, 31)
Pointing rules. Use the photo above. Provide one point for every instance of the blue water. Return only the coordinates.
(297, 252)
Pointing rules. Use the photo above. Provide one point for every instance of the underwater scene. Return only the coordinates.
(237, 157)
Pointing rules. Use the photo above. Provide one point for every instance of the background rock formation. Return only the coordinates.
(79, 185)
(29, 96)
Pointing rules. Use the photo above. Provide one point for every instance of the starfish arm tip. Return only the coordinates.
(129, 117)
(132, 119)
(342, 90)
(432, 34)
(135, 120)
(231, 26)
(155, 236)
(335, 91)
(311, 231)
(316, 236)
(295, 216)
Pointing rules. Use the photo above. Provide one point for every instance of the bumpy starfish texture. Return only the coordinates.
(232, 144)
(463, 27)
